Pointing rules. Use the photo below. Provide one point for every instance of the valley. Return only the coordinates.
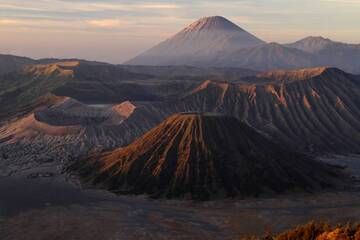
(39, 145)
(81, 213)
(213, 133)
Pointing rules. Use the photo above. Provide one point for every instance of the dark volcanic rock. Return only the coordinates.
(313, 110)
(204, 156)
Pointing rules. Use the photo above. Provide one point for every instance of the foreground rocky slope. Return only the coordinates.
(203, 156)
(316, 231)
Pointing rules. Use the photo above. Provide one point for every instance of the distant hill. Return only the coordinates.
(94, 82)
(9, 63)
(88, 82)
(267, 56)
(326, 52)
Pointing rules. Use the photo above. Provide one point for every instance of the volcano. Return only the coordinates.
(203, 156)
(199, 44)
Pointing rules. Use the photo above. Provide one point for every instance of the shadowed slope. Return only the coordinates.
(202, 156)
(315, 110)
(9, 63)
(84, 81)
(25, 89)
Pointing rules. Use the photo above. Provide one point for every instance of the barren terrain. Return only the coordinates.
(52, 208)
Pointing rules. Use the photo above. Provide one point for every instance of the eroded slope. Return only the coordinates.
(202, 156)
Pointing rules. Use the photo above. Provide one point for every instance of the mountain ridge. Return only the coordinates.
(314, 44)
(316, 111)
(215, 41)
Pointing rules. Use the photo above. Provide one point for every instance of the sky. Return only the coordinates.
(116, 30)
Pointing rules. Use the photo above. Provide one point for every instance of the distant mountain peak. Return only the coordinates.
(198, 44)
(311, 44)
(319, 38)
(212, 23)
(316, 40)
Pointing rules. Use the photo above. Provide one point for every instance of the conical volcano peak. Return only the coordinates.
(203, 156)
(212, 23)
(201, 43)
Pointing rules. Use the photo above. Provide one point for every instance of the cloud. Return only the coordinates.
(8, 22)
(107, 23)
(95, 6)
(18, 7)
(242, 19)
(34, 23)
(147, 22)
(159, 6)
(343, 2)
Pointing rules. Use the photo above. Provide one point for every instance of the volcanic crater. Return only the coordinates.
(204, 156)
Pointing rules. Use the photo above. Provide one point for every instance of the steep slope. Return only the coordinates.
(198, 44)
(314, 110)
(203, 156)
(267, 57)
